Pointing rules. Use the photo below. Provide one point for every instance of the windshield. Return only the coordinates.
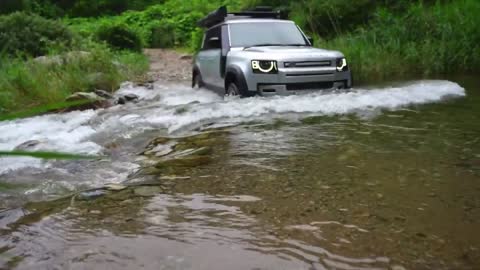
(265, 34)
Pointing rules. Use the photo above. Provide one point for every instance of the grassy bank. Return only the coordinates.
(25, 84)
(42, 62)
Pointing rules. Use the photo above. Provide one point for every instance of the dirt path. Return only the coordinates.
(169, 65)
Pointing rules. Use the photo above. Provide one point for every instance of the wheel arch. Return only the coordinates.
(235, 74)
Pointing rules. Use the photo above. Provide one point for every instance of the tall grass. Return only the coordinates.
(31, 83)
(423, 41)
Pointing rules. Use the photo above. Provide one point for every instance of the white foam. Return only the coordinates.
(329, 104)
(159, 108)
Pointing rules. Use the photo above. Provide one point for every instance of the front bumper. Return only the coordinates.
(290, 81)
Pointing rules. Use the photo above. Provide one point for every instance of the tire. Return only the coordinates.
(197, 81)
(232, 90)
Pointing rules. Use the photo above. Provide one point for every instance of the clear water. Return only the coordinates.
(379, 178)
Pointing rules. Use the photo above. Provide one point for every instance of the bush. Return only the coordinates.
(120, 37)
(162, 36)
(31, 35)
(438, 39)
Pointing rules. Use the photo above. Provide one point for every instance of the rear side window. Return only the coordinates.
(208, 43)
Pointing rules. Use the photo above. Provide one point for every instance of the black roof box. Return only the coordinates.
(221, 14)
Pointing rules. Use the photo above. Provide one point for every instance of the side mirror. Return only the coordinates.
(310, 39)
(214, 43)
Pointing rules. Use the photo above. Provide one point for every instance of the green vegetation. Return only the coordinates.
(422, 41)
(44, 83)
(68, 62)
(32, 35)
(119, 37)
(387, 39)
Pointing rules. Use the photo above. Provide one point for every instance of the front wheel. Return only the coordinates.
(232, 90)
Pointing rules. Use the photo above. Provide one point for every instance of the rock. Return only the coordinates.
(61, 59)
(115, 187)
(130, 97)
(121, 101)
(147, 191)
(150, 86)
(398, 267)
(103, 94)
(28, 145)
(49, 60)
(127, 98)
(186, 57)
(90, 195)
(84, 96)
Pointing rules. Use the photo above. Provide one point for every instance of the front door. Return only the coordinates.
(210, 56)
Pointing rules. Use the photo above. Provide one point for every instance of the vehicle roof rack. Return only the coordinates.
(221, 14)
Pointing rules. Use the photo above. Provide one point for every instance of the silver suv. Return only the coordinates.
(259, 53)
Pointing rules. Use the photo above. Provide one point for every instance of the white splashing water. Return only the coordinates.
(175, 107)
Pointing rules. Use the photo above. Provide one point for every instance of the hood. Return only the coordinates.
(293, 51)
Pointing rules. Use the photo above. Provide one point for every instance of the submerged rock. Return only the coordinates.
(28, 145)
(127, 98)
(115, 187)
(91, 195)
(147, 191)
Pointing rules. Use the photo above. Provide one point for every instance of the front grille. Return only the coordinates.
(309, 86)
(308, 74)
(326, 63)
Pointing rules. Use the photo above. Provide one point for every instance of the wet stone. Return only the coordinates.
(147, 191)
(91, 195)
(115, 187)
(103, 94)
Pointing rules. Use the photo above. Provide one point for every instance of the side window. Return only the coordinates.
(213, 39)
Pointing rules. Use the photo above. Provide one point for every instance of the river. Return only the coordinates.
(383, 177)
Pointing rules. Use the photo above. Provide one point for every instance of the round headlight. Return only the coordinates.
(342, 64)
(264, 66)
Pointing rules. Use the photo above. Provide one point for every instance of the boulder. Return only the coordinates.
(130, 97)
(61, 59)
(127, 98)
(49, 60)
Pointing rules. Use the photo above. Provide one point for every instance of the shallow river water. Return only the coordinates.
(377, 178)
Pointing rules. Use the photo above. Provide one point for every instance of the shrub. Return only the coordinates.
(31, 35)
(120, 37)
(162, 36)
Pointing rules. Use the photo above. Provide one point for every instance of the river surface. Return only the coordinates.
(378, 178)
